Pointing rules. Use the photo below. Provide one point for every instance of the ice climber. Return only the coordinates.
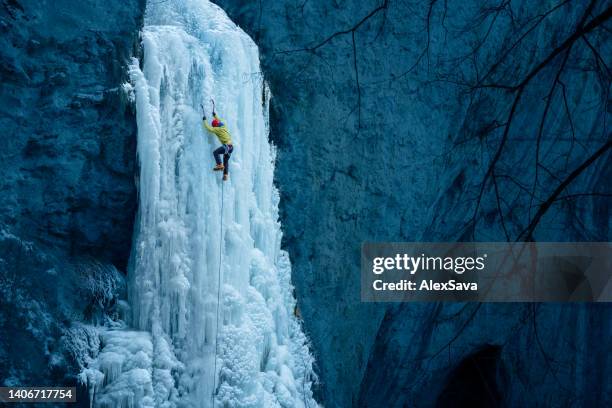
(220, 130)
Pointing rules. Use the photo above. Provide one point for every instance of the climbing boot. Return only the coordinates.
(218, 167)
(225, 177)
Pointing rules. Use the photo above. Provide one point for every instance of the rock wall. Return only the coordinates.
(68, 149)
(67, 195)
(408, 121)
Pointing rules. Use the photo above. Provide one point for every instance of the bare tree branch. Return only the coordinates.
(351, 31)
(549, 98)
(313, 48)
(578, 33)
(527, 234)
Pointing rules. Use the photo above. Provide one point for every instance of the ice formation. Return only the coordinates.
(192, 228)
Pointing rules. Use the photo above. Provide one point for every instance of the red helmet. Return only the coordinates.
(216, 122)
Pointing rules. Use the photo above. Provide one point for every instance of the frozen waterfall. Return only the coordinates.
(166, 358)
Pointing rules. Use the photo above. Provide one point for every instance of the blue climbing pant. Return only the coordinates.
(226, 151)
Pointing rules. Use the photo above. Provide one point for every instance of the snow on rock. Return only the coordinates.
(193, 229)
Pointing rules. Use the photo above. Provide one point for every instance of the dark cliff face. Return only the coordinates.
(67, 193)
(408, 121)
(68, 144)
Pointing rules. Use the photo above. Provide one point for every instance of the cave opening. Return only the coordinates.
(475, 381)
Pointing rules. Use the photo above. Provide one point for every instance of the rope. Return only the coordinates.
(218, 299)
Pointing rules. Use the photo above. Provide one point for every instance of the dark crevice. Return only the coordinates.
(475, 381)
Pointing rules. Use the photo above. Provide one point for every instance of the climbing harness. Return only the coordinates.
(218, 299)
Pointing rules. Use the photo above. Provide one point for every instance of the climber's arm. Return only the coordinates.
(206, 126)
(210, 128)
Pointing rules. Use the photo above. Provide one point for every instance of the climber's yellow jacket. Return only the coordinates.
(220, 131)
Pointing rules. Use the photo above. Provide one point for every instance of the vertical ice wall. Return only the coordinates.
(192, 228)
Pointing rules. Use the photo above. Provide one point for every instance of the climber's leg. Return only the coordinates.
(226, 158)
(217, 154)
(229, 149)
